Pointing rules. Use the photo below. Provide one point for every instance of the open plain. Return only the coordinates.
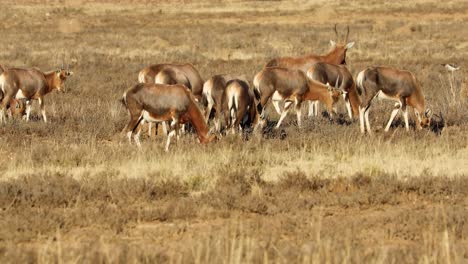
(73, 190)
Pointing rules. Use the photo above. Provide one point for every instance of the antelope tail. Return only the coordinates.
(123, 100)
(361, 77)
(141, 76)
(256, 83)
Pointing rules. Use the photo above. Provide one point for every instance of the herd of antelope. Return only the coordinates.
(175, 94)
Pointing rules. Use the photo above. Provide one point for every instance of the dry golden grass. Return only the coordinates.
(75, 191)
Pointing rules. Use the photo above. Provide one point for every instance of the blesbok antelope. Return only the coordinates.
(396, 85)
(17, 107)
(168, 73)
(160, 103)
(185, 74)
(331, 73)
(291, 86)
(30, 84)
(239, 104)
(336, 55)
(214, 94)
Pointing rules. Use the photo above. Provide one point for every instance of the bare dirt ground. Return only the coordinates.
(74, 190)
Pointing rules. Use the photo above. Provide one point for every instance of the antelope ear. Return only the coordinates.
(349, 45)
(332, 43)
(344, 92)
(69, 73)
(428, 113)
(329, 87)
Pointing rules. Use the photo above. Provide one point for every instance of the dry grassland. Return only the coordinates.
(73, 190)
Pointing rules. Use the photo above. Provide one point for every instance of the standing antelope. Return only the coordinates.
(239, 104)
(30, 84)
(290, 86)
(331, 73)
(184, 74)
(160, 103)
(396, 85)
(337, 55)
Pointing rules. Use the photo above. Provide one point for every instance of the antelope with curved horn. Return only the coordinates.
(291, 86)
(30, 84)
(331, 73)
(239, 105)
(396, 85)
(160, 103)
(337, 56)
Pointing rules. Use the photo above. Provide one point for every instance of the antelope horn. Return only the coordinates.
(442, 118)
(336, 83)
(336, 33)
(347, 35)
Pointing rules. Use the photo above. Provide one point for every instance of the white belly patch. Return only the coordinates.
(277, 97)
(147, 117)
(20, 95)
(382, 96)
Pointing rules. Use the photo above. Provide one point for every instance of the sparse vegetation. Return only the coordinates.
(73, 190)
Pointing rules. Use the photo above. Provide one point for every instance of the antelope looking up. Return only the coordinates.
(30, 84)
(396, 85)
(291, 86)
(331, 73)
(337, 55)
(160, 103)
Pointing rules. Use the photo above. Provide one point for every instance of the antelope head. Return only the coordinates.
(335, 92)
(60, 78)
(339, 49)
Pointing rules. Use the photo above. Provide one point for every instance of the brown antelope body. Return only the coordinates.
(396, 85)
(331, 73)
(291, 86)
(30, 84)
(214, 94)
(160, 103)
(184, 74)
(239, 105)
(336, 55)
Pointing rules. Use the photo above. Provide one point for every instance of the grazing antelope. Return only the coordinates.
(331, 73)
(184, 74)
(17, 108)
(30, 84)
(160, 103)
(239, 104)
(291, 86)
(396, 85)
(213, 95)
(337, 55)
